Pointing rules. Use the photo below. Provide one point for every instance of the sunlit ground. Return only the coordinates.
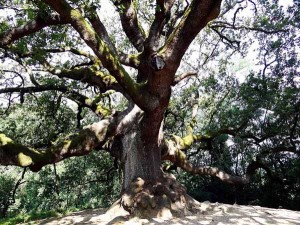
(213, 214)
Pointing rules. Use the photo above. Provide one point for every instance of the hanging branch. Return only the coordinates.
(71, 94)
(18, 183)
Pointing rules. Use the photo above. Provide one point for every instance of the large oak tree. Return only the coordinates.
(135, 135)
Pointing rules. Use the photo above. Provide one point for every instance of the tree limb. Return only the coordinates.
(132, 60)
(179, 158)
(226, 25)
(183, 76)
(232, 42)
(130, 23)
(101, 31)
(90, 75)
(70, 93)
(30, 28)
(82, 143)
(162, 15)
(128, 60)
(96, 136)
(198, 14)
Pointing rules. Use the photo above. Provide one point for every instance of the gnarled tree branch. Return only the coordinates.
(178, 157)
(226, 25)
(162, 15)
(183, 76)
(96, 136)
(130, 23)
(80, 99)
(30, 28)
(90, 75)
(128, 60)
(90, 138)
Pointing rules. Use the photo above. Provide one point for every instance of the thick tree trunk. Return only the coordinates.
(141, 150)
(147, 190)
(141, 158)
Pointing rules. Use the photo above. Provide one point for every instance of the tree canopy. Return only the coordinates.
(207, 87)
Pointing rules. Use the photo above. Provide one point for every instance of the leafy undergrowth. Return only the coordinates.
(28, 217)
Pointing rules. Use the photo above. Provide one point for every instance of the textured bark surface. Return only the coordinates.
(163, 197)
(139, 160)
(138, 146)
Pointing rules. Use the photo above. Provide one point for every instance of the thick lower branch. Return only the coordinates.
(172, 151)
(216, 172)
(179, 158)
(82, 143)
(93, 137)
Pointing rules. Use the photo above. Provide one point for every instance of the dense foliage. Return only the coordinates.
(85, 182)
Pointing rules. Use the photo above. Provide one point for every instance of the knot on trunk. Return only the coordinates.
(157, 62)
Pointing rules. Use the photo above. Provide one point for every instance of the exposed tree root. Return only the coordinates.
(164, 198)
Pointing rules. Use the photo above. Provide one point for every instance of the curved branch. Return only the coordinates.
(130, 23)
(231, 42)
(91, 75)
(86, 72)
(96, 136)
(30, 28)
(179, 158)
(183, 76)
(101, 31)
(82, 143)
(71, 94)
(226, 25)
(128, 60)
(225, 177)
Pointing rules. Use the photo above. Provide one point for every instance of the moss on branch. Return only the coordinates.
(82, 143)
(16, 154)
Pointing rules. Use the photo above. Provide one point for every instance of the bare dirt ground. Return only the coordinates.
(211, 213)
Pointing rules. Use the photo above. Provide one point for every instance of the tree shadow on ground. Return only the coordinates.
(212, 214)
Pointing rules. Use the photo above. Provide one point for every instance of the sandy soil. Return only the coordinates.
(211, 213)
